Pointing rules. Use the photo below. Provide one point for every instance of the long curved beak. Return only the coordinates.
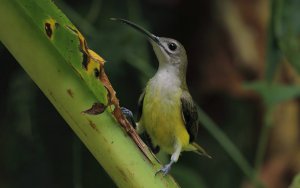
(140, 29)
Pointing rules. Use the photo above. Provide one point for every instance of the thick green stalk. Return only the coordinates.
(50, 69)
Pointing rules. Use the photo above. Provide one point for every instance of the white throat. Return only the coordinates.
(166, 79)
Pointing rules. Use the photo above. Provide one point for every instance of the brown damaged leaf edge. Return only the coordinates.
(98, 108)
(83, 47)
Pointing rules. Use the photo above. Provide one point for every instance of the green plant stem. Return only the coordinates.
(52, 72)
(263, 140)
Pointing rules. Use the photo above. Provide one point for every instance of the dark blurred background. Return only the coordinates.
(226, 44)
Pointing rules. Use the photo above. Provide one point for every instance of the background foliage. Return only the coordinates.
(238, 73)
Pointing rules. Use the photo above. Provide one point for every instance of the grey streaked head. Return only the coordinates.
(167, 50)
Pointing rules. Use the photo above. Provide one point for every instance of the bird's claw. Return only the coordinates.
(129, 116)
(164, 170)
(126, 112)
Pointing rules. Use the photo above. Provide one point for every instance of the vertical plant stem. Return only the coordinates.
(263, 140)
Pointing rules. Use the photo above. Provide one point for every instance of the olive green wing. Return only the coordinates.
(189, 114)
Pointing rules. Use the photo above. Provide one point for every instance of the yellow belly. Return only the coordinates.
(162, 120)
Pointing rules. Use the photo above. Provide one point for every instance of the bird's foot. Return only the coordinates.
(126, 112)
(165, 169)
(129, 116)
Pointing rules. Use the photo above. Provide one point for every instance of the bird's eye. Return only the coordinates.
(172, 46)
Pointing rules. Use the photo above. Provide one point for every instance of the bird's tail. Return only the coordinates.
(199, 150)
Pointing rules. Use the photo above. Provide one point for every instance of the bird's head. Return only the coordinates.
(169, 51)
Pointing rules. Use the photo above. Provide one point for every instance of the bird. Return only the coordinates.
(167, 113)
